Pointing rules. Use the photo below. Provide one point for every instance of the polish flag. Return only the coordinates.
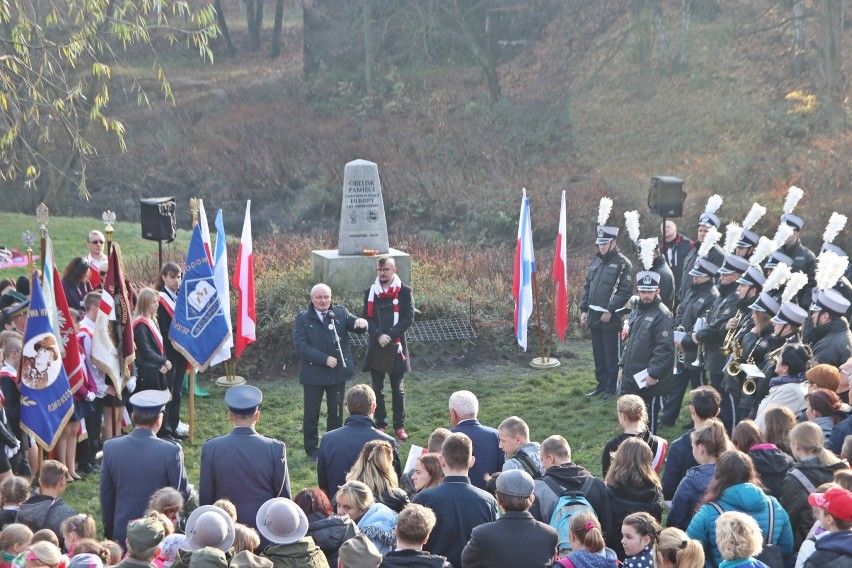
(205, 231)
(560, 275)
(524, 270)
(244, 283)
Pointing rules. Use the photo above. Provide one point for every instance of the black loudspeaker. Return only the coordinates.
(666, 196)
(158, 219)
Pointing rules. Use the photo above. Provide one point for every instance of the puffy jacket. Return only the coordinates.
(791, 395)
(300, 554)
(314, 342)
(772, 465)
(833, 549)
(609, 284)
(832, 342)
(330, 532)
(745, 498)
(650, 345)
(794, 496)
(689, 493)
(626, 500)
(679, 460)
(378, 525)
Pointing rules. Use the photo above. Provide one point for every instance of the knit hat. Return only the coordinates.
(360, 552)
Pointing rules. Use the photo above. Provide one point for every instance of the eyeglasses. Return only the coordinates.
(384, 269)
(96, 242)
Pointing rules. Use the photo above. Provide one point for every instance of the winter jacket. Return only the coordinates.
(713, 334)
(689, 493)
(615, 443)
(803, 261)
(826, 424)
(716, 256)
(396, 499)
(679, 460)
(833, 549)
(314, 342)
(696, 302)
(585, 559)
(832, 342)
(838, 435)
(300, 554)
(531, 451)
(609, 285)
(382, 323)
(772, 465)
(626, 500)
(571, 477)
(794, 496)
(330, 532)
(377, 524)
(675, 253)
(745, 498)
(150, 356)
(667, 281)
(413, 559)
(650, 345)
(743, 563)
(44, 512)
(791, 395)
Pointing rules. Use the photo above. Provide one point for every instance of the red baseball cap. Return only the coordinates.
(837, 501)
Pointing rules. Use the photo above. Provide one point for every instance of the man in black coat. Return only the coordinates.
(831, 336)
(649, 355)
(389, 308)
(608, 286)
(675, 250)
(321, 338)
(244, 466)
(413, 527)
(496, 543)
(340, 448)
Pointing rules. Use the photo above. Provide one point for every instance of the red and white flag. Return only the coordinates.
(244, 283)
(205, 231)
(524, 273)
(560, 275)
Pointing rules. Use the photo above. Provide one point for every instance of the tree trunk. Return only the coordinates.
(798, 65)
(367, 16)
(223, 27)
(683, 57)
(642, 24)
(275, 48)
(662, 34)
(254, 22)
(832, 54)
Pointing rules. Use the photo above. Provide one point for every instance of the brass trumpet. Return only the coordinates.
(731, 337)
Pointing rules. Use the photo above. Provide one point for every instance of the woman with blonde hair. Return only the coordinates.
(815, 465)
(42, 554)
(633, 419)
(739, 540)
(676, 550)
(708, 443)
(632, 486)
(374, 467)
(375, 520)
(151, 362)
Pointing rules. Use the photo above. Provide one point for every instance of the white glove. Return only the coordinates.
(11, 451)
(90, 396)
(131, 384)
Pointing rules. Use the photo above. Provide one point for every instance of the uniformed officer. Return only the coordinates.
(648, 358)
(244, 466)
(708, 220)
(832, 340)
(803, 260)
(137, 465)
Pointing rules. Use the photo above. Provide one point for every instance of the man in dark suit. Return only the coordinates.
(340, 448)
(389, 307)
(244, 466)
(486, 441)
(136, 465)
(496, 544)
(458, 506)
(321, 338)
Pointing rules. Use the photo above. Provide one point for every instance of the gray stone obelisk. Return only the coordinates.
(363, 234)
(362, 214)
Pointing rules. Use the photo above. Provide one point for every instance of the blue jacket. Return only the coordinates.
(689, 493)
(378, 524)
(833, 549)
(486, 450)
(838, 435)
(678, 461)
(340, 448)
(745, 498)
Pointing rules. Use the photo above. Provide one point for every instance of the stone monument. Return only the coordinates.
(363, 234)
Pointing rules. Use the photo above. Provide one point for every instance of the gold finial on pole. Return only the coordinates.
(29, 240)
(108, 218)
(43, 216)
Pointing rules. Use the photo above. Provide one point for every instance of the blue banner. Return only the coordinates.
(46, 399)
(199, 328)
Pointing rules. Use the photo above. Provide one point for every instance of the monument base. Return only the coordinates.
(354, 273)
(545, 363)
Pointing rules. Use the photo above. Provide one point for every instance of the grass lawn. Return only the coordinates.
(551, 402)
(69, 239)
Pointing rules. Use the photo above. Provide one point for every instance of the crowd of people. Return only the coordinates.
(760, 478)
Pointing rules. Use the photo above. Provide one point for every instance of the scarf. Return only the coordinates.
(778, 381)
(155, 331)
(394, 289)
(167, 300)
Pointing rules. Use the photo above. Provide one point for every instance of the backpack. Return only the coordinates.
(528, 464)
(569, 504)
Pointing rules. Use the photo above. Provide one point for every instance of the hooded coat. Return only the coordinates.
(772, 465)
(833, 549)
(689, 493)
(794, 496)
